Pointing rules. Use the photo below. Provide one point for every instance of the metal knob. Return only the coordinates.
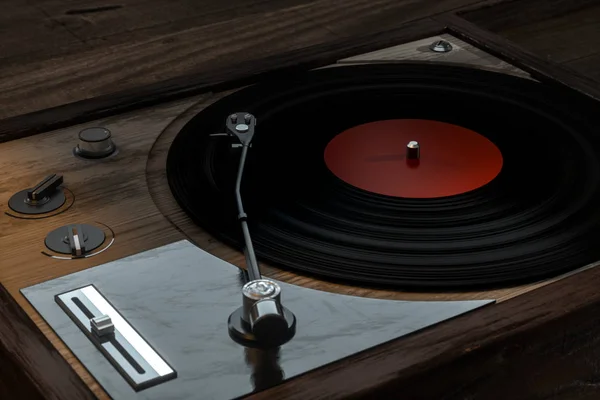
(95, 143)
(262, 310)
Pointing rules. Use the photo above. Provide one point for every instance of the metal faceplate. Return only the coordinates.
(178, 299)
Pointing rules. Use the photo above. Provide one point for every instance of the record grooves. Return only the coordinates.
(536, 219)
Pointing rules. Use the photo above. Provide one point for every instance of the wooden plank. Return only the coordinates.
(560, 31)
(504, 15)
(126, 66)
(355, 18)
(25, 30)
(231, 74)
(127, 21)
(146, 42)
(560, 39)
(30, 367)
(588, 66)
(504, 49)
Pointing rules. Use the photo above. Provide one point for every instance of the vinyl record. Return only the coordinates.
(509, 176)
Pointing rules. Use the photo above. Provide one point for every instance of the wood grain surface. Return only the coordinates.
(30, 367)
(562, 31)
(128, 192)
(88, 59)
(57, 52)
(543, 70)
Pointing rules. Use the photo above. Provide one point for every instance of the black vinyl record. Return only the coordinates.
(537, 218)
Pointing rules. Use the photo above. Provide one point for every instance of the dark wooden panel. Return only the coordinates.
(13, 380)
(540, 345)
(127, 21)
(145, 42)
(25, 29)
(503, 48)
(561, 31)
(229, 75)
(589, 66)
(562, 38)
(30, 367)
(503, 15)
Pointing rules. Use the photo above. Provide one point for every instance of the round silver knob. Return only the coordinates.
(441, 46)
(95, 143)
(413, 150)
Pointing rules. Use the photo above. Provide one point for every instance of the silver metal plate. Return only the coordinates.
(124, 347)
(179, 297)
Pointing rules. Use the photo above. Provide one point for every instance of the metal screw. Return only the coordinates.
(441, 46)
(241, 128)
(247, 118)
(233, 118)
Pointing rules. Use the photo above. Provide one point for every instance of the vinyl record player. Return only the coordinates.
(277, 238)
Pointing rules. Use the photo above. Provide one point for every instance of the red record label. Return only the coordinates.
(452, 159)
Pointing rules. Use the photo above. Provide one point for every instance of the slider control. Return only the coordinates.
(44, 197)
(121, 343)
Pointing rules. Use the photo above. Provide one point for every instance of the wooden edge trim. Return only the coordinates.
(467, 343)
(39, 371)
(498, 15)
(216, 80)
(540, 69)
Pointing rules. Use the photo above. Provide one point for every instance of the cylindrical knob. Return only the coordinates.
(263, 310)
(95, 143)
(268, 322)
(413, 151)
(254, 291)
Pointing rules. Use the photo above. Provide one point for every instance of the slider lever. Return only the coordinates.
(44, 189)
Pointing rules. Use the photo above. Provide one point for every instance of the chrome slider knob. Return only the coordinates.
(102, 325)
(95, 143)
(262, 310)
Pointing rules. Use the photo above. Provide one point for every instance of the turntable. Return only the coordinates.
(377, 225)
